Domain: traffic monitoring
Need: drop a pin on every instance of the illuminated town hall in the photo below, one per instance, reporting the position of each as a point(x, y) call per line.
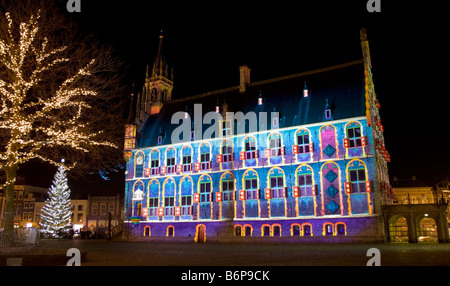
point(315, 168)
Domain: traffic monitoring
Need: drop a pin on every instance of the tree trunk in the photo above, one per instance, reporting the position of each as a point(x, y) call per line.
point(8, 222)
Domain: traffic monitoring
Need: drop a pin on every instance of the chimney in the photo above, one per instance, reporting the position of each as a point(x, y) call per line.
point(244, 78)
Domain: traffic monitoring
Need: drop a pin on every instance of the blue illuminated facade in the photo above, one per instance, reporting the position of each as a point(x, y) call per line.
point(315, 170)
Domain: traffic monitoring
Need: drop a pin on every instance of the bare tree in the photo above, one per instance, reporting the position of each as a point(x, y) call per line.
point(61, 96)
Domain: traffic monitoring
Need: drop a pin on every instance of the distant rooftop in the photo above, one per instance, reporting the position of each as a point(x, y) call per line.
point(408, 183)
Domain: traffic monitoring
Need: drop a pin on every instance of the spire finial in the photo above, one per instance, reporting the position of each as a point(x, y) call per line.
point(159, 62)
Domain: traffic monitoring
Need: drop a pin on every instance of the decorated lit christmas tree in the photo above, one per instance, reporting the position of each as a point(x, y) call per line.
point(55, 215)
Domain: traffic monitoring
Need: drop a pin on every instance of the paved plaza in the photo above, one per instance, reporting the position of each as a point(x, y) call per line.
point(122, 253)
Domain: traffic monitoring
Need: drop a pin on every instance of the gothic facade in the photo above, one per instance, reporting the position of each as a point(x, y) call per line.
point(299, 157)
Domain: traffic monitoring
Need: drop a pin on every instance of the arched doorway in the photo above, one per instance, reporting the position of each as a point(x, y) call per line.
point(398, 229)
point(427, 229)
point(201, 233)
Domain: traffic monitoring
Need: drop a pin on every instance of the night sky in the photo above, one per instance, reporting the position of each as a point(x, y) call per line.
point(206, 42)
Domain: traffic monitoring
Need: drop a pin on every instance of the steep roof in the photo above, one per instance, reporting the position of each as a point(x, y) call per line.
point(342, 86)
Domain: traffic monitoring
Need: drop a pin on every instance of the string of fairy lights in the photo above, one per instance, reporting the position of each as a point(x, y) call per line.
point(22, 117)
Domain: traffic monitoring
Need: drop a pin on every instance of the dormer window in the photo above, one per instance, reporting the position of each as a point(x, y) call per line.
point(159, 140)
point(305, 91)
point(327, 114)
point(217, 108)
point(274, 122)
point(260, 101)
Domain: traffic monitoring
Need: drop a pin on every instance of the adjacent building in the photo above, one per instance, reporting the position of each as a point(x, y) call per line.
point(79, 214)
point(28, 201)
point(412, 191)
point(88, 214)
point(101, 210)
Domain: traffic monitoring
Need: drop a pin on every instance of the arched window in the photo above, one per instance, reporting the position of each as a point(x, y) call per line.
point(228, 187)
point(248, 230)
point(147, 231)
point(186, 160)
point(276, 230)
point(169, 196)
point(237, 230)
point(353, 134)
point(276, 149)
point(205, 157)
point(295, 229)
point(276, 183)
point(250, 181)
point(307, 229)
point(265, 230)
point(153, 197)
point(170, 231)
point(138, 191)
point(303, 140)
point(154, 164)
point(305, 181)
point(154, 94)
point(186, 187)
point(170, 160)
point(250, 151)
point(139, 209)
point(227, 151)
point(331, 195)
point(341, 229)
point(328, 141)
point(328, 229)
point(205, 188)
point(357, 176)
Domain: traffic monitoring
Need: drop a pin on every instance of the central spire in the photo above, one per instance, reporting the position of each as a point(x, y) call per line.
point(160, 67)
